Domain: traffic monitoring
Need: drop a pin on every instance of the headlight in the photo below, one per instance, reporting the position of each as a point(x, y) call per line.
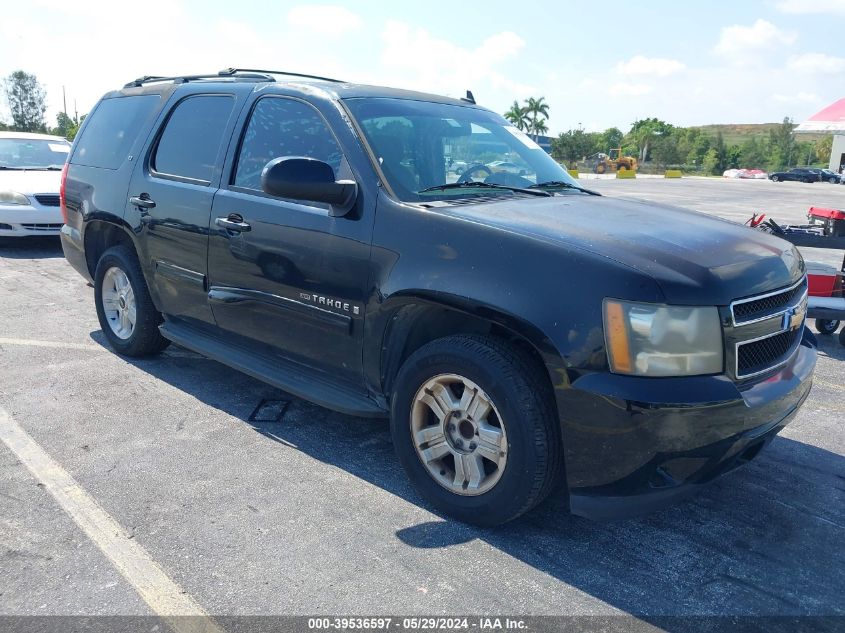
point(13, 197)
point(647, 339)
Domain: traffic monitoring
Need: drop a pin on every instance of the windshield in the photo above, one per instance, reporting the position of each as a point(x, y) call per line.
point(27, 153)
point(423, 145)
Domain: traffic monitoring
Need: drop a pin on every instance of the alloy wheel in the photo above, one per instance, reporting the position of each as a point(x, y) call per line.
point(459, 435)
point(119, 302)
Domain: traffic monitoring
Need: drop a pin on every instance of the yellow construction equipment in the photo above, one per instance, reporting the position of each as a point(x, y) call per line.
point(612, 161)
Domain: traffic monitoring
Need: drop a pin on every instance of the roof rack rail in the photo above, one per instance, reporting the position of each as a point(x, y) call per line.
point(228, 72)
point(180, 79)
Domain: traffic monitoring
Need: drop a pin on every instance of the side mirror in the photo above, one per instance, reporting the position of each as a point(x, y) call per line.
point(300, 178)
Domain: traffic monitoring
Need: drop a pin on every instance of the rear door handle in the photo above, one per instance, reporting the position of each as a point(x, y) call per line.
point(234, 222)
point(142, 202)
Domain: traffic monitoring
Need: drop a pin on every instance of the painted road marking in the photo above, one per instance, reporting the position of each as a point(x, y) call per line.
point(163, 595)
point(87, 347)
point(54, 344)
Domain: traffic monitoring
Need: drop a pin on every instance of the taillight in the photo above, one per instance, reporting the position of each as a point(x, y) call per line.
point(62, 200)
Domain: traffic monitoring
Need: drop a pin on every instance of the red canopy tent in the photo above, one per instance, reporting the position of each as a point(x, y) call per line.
point(831, 119)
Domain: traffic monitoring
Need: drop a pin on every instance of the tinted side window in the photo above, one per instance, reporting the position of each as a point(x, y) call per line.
point(283, 127)
point(113, 127)
point(191, 140)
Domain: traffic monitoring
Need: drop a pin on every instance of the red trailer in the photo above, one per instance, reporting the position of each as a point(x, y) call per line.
point(826, 302)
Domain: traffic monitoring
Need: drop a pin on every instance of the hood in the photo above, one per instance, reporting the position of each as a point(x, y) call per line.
point(30, 182)
point(696, 259)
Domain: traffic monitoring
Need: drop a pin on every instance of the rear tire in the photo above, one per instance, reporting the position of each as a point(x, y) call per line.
point(474, 426)
point(826, 326)
point(775, 179)
point(842, 336)
point(125, 310)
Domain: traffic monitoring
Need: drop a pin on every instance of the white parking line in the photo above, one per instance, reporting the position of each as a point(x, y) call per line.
point(87, 347)
point(163, 596)
point(55, 344)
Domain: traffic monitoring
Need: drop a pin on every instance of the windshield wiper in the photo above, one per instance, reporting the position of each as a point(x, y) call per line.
point(476, 184)
point(7, 167)
point(560, 184)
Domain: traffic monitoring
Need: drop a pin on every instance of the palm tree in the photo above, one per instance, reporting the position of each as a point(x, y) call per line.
point(518, 116)
point(537, 110)
point(540, 127)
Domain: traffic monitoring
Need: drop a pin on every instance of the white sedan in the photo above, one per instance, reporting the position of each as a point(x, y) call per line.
point(30, 176)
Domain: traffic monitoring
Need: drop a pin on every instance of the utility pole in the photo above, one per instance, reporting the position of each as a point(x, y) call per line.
point(64, 101)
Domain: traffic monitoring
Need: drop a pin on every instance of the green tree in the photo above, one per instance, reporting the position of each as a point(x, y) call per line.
point(538, 112)
point(805, 153)
point(721, 152)
point(782, 145)
point(753, 154)
point(710, 162)
point(734, 157)
point(27, 102)
point(518, 116)
point(574, 145)
point(609, 139)
point(644, 131)
point(65, 126)
point(665, 150)
point(823, 147)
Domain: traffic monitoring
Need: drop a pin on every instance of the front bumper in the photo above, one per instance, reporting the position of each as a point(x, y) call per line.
point(24, 220)
point(632, 444)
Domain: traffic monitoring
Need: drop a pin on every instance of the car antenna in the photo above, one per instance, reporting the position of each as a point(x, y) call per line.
point(469, 98)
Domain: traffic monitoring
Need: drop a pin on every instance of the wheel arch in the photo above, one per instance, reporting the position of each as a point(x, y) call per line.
point(100, 235)
point(410, 320)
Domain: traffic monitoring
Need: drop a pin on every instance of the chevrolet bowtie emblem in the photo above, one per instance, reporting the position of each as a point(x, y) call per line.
point(793, 319)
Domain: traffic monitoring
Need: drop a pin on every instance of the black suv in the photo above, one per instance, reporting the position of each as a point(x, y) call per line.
point(520, 332)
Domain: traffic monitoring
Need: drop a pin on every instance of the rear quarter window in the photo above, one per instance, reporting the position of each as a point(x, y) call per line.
point(111, 130)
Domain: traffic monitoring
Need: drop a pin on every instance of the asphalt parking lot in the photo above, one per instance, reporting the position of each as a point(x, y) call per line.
point(312, 514)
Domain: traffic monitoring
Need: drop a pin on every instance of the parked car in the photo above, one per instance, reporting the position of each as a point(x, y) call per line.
point(507, 167)
point(30, 174)
point(754, 174)
point(799, 174)
point(458, 166)
point(828, 175)
point(520, 337)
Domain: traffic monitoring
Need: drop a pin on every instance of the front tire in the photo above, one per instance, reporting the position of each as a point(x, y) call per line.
point(125, 310)
point(826, 326)
point(474, 426)
point(775, 178)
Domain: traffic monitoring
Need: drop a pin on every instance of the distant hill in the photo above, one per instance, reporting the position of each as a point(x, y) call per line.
point(738, 133)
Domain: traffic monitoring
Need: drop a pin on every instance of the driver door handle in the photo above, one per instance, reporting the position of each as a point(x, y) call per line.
point(142, 201)
point(233, 222)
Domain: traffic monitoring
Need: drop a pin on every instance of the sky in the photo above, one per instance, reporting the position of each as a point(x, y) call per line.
point(598, 64)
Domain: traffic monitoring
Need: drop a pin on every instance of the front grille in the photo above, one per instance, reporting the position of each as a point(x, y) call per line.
point(746, 310)
point(48, 199)
point(758, 356)
point(42, 227)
